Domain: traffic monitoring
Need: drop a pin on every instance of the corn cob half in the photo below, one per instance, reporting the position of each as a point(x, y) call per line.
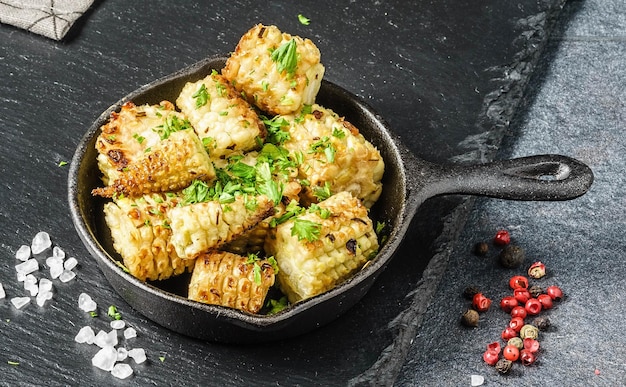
point(224, 121)
point(334, 154)
point(343, 240)
point(141, 234)
point(227, 279)
point(199, 227)
point(275, 71)
point(170, 165)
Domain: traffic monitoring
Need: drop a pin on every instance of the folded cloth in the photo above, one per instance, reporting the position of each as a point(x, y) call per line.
point(50, 18)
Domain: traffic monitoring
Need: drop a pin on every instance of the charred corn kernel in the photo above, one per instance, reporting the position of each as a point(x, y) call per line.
point(346, 241)
point(127, 135)
point(170, 165)
point(252, 241)
point(277, 72)
point(224, 121)
point(199, 227)
point(227, 279)
point(335, 153)
point(141, 235)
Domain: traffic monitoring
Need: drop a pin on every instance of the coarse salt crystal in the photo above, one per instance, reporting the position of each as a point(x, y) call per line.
point(41, 242)
point(21, 277)
point(118, 324)
point(45, 285)
point(477, 380)
point(130, 333)
point(27, 267)
point(122, 354)
point(85, 335)
point(30, 285)
point(2, 292)
point(20, 302)
point(86, 303)
point(23, 253)
point(138, 355)
point(57, 252)
point(105, 358)
point(104, 339)
point(44, 296)
point(70, 263)
point(67, 276)
point(54, 261)
point(121, 371)
point(56, 271)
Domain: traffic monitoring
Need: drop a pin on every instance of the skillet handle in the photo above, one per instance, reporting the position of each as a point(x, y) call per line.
point(541, 177)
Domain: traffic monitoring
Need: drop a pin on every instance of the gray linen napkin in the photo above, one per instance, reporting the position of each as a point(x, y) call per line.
point(50, 18)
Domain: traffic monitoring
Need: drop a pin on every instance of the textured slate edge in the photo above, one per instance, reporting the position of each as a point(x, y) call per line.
point(499, 109)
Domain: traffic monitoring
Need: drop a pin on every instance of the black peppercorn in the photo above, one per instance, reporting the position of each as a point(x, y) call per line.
point(504, 366)
point(542, 323)
point(535, 291)
point(470, 318)
point(481, 249)
point(469, 292)
point(511, 256)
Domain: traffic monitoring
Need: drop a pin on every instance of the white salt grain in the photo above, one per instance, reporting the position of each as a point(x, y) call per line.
point(27, 267)
point(2, 292)
point(23, 253)
point(105, 358)
point(85, 335)
point(121, 371)
point(104, 339)
point(86, 303)
point(56, 271)
point(130, 333)
point(21, 277)
point(45, 285)
point(118, 324)
point(122, 354)
point(67, 276)
point(57, 252)
point(30, 285)
point(138, 355)
point(41, 242)
point(20, 302)
point(54, 261)
point(477, 380)
point(44, 296)
point(70, 263)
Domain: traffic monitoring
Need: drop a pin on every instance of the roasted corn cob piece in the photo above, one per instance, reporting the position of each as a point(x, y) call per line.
point(170, 165)
point(335, 156)
point(227, 279)
point(275, 71)
point(141, 234)
point(125, 138)
point(224, 121)
point(199, 227)
point(316, 251)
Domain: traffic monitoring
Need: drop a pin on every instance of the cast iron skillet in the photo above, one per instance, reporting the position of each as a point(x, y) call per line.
point(408, 182)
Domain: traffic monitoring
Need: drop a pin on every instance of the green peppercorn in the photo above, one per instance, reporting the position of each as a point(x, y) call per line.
point(470, 318)
point(529, 331)
point(535, 291)
point(469, 292)
point(516, 342)
point(504, 366)
point(542, 323)
point(481, 249)
point(511, 256)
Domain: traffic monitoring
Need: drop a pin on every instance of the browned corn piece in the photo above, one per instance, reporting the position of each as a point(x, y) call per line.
point(141, 235)
point(253, 72)
point(334, 153)
point(222, 119)
point(199, 227)
point(346, 241)
point(227, 279)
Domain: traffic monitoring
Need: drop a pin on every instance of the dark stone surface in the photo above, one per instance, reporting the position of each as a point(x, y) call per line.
point(447, 76)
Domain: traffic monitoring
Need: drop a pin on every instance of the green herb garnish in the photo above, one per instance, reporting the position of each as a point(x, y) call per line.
point(304, 20)
point(306, 229)
point(201, 96)
point(286, 57)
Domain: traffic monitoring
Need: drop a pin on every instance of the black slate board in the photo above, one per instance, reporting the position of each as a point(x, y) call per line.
point(446, 75)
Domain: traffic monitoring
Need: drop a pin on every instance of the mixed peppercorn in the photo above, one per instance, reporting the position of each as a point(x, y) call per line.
point(520, 337)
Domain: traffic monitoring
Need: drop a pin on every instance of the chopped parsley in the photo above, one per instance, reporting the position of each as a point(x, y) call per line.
point(324, 146)
point(306, 229)
point(201, 96)
point(304, 20)
point(286, 57)
point(276, 306)
point(276, 134)
point(338, 133)
point(113, 313)
point(322, 193)
point(62, 163)
point(171, 124)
